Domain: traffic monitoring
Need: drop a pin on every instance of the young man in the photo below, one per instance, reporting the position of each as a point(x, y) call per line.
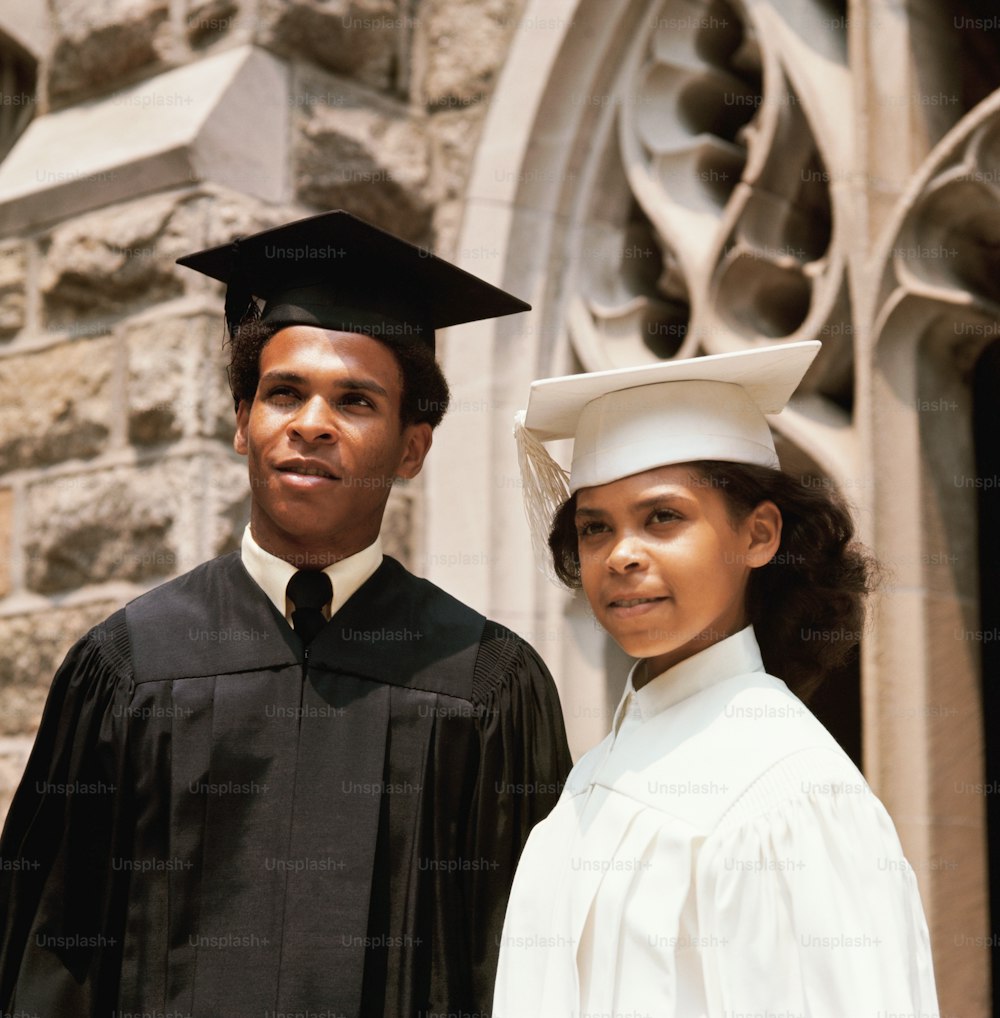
point(297, 779)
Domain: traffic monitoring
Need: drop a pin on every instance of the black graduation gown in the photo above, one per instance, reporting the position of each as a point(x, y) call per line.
point(213, 823)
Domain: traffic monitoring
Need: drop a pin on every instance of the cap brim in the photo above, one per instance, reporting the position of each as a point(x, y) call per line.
point(769, 376)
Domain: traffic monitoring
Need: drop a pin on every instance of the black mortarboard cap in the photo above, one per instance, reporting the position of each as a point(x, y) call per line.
point(338, 272)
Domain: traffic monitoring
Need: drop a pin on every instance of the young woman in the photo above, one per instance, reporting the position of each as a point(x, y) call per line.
point(718, 854)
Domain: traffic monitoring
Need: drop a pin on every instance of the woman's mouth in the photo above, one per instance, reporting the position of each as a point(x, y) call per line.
point(626, 607)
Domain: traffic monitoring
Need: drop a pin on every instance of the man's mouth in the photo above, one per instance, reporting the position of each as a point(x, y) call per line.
point(307, 470)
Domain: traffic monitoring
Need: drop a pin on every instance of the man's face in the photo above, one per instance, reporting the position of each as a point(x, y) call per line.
point(324, 443)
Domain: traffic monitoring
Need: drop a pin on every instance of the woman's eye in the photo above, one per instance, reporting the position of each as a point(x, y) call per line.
point(664, 516)
point(589, 529)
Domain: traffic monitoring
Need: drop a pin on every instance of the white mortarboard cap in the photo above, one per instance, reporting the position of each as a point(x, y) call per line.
point(628, 420)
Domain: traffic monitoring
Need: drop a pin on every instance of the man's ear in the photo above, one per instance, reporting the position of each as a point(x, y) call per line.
point(764, 531)
point(417, 439)
point(242, 424)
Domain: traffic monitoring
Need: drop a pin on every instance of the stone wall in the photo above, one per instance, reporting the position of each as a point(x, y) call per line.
point(116, 470)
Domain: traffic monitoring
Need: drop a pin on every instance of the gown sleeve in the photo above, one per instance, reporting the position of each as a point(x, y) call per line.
point(524, 761)
point(809, 907)
point(62, 899)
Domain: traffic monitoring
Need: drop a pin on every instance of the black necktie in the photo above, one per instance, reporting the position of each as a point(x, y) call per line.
point(309, 590)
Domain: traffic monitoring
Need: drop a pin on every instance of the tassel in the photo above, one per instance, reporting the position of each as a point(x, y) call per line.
point(544, 487)
point(240, 308)
point(240, 305)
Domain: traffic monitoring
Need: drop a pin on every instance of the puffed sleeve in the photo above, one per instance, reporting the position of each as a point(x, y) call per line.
point(524, 763)
point(806, 904)
point(62, 897)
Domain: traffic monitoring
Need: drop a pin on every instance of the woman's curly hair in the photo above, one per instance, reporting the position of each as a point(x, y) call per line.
point(807, 605)
point(425, 391)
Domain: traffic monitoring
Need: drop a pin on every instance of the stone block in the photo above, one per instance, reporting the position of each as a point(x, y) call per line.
point(230, 523)
point(97, 44)
point(162, 383)
point(206, 22)
point(172, 381)
point(223, 119)
point(31, 649)
point(460, 48)
point(13, 269)
point(116, 524)
point(209, 219)
point(6, 537)
point(359, 38)
point(220, 411)
point(56, 404)
point(448, 216)
point(366, 157)
point(134, 524)
point(110, 261)
point(453, 139)
point(226, 491)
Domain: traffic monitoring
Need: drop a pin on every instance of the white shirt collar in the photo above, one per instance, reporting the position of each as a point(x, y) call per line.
point(736, 655)
point(272, 574)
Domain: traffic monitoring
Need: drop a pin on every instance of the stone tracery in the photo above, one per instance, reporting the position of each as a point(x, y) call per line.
point(718, 145)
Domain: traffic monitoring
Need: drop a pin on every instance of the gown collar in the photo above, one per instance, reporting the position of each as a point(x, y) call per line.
point(736, 655)
point(272, 574)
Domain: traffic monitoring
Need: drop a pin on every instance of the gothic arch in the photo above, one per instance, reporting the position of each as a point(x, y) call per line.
point(663, 179)
point(630, 184)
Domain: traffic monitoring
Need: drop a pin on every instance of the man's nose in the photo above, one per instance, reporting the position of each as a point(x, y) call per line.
point(314, 422)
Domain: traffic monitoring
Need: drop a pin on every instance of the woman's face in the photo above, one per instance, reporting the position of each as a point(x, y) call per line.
point(664, 567)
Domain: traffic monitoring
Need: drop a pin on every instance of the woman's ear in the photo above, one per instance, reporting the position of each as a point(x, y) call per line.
point(763, 527)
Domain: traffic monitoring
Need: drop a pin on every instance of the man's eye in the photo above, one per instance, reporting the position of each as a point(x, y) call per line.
point(282, 395)
point(355, 399)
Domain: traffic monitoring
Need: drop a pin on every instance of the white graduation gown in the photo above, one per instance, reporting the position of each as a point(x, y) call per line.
point(718, 854)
